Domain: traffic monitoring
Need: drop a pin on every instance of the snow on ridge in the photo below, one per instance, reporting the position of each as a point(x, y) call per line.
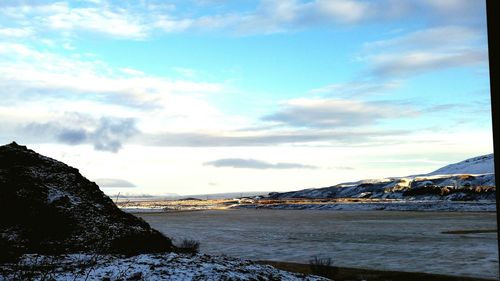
point(444, 187)
point(477, 165)
point(471, 179)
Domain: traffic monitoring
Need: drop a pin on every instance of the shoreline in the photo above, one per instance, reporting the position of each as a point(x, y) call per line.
point(351, 273)
point(142, 207)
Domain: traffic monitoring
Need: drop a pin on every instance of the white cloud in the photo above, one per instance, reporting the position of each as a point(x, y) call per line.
point(420, 62)
point(15, 31)
point(344, 11)
point(436, 38)
point(169, 24)
point(456, 10)
point(268, 17)
point(94, 17)
point(357, 88)
point(101, 20)
point(427, 50)
point(333, 113)
point(255, 164)
point(143, 19)
point(186, 72)
point(49, 85)
point(294, 137)
point(105, 134)
point(131, 71)
point(34, 71)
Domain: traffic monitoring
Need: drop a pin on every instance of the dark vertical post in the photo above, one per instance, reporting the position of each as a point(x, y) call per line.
point(493, 47)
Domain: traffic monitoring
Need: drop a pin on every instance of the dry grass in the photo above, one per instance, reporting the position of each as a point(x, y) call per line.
point(175, 204)
point(221, 204)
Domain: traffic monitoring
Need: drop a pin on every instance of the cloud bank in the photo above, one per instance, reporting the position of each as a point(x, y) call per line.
point(255, 164)
point(105, 134)
point(334, 113)
point(141, 20)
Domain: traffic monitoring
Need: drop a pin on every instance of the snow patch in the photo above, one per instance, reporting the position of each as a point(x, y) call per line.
point(166, 266)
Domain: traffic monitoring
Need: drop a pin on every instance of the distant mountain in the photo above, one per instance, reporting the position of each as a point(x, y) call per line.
point(471, 179)
point(48, 207)
point(478, 165)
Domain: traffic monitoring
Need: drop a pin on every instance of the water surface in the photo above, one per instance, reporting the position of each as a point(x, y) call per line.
point(406, 241)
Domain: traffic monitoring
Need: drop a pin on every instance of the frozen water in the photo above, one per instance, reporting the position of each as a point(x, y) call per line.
point(406, 241)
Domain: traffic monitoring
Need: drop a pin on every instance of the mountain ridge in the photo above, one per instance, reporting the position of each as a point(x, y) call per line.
point(483, 164)
point(451, 182)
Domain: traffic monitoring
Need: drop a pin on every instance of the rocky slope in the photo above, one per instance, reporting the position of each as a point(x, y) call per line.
point(472, 179)
point(48, 207)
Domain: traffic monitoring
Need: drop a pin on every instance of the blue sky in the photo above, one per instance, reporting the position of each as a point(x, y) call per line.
point(215, 96)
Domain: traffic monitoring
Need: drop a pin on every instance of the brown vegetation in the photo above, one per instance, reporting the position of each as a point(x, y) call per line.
point(220, 204)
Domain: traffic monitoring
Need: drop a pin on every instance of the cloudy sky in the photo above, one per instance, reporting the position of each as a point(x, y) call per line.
point(209, 96)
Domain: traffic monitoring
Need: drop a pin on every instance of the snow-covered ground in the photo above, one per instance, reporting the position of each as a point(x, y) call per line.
point(167, 266)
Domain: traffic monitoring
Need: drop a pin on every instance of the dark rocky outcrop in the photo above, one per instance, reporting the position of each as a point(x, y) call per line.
point(48, 207)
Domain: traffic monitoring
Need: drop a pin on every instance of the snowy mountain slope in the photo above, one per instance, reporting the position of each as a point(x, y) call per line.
point(471, 179)
point(478, 165)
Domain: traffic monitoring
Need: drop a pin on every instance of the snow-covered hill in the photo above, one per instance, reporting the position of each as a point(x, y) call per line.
point(471, 179)
point(478, 165)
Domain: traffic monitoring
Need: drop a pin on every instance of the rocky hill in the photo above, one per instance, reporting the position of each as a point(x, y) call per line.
point(48, 207)
point(471, 179)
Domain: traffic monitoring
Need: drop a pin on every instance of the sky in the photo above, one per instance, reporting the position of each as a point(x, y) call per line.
point(213, 96)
